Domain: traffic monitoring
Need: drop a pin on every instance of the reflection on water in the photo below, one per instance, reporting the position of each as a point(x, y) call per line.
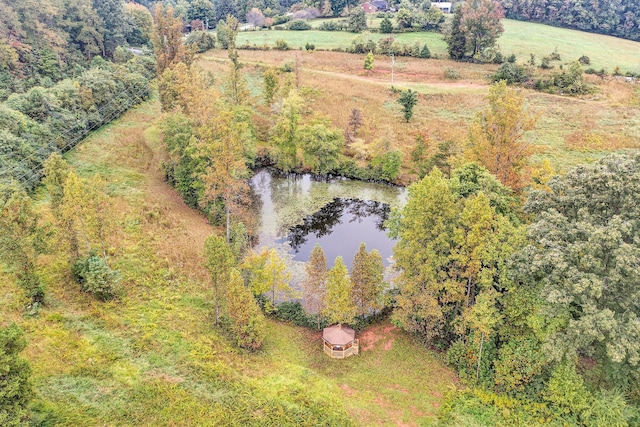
point(298, 211)
point(339, 227)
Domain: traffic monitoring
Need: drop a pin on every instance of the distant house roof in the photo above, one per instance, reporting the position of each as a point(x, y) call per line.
point(338, 334)
point(443, 6)
point(380, 4)
point(368, 7)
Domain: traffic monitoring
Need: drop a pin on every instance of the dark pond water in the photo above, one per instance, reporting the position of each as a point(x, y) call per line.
point(298, 211)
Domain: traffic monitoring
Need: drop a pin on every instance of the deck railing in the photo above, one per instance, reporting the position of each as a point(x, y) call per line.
point(341, 354)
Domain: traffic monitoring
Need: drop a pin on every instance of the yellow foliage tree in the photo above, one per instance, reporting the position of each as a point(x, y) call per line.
point(496, 136)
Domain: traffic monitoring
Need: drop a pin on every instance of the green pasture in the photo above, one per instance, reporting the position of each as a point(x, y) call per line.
point(520, 38)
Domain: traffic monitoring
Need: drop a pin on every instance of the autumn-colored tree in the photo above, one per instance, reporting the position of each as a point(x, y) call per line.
point(368, 61)
point(268, 274)
point(367, 274)
point(247, 321)
point(481, 24)
point(186, 90)
point(219, 260)
point(315, 284)
point(88, 207)
point(167, 40)
point(355, 123)
point(339, 306)
point(56, 172)
point(221, 146)
point(497, 136)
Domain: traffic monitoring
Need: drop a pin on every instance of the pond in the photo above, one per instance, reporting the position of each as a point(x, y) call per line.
point(299, 210)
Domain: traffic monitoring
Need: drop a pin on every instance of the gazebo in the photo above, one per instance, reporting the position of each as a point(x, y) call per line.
point(339, 341)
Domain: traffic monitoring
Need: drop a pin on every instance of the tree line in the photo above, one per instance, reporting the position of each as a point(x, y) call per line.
point(45, 41)
point(620, 18)
point(44, 120)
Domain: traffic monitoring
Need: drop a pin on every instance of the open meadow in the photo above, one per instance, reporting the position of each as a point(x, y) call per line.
point(569, 130)
point(519, 38)
point(154, 357)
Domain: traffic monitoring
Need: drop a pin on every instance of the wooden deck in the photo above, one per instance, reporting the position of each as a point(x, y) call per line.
point(349, 350)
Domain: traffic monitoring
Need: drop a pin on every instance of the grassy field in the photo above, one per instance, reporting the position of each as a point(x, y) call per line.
point(569, 130)
point(153, 356)
point(520, 38)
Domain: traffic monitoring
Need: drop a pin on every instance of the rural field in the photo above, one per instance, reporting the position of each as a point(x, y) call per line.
point(468, 343)
point(569, 130)
point(519, 38)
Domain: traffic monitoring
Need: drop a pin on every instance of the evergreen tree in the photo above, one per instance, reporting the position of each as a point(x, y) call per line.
point(386, 27)
point(368, 61)
point(456, 39)
point(15, 387)
point(247, 321)
point(339, 306)
point(367, 274)
point(314, 285)
point(408, 99)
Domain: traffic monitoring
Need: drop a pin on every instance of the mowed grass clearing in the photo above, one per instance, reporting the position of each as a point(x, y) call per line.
point(519, 38)
point(153, 356)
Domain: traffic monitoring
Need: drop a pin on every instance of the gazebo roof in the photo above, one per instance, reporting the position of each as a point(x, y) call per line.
point(338, 334)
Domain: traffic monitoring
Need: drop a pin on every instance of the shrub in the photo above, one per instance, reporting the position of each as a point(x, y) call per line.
point(511, 59)
point(96, 277)
point(451, 74)
point(309, 46)
point(293, 313)
point(511, 73)
point(425, 52)
point(201, 41)
point(287, 67)
point(584, 60)
point(386, 27)
point(299, 25)
point(333, 26)
point(282, 45)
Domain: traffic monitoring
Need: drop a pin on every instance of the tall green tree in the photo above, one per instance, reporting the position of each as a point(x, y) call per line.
point(408, 99)
point(321, 146)
point(367, 274)
point(114, 21)
point(219, 260)
point(584, 260)
point(453, 254)
point(15, 387)
point(22, 240)
point(339, 306)
point(222, 147)
point(357, 20)
point(268, 275)
point(314, 285)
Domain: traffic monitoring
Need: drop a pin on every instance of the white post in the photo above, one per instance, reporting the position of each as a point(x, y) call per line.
point(393, 62)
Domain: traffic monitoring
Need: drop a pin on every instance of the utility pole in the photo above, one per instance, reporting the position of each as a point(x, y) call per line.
point(393, 62)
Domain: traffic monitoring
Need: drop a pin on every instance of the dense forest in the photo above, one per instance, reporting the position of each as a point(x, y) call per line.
point(54, 83)
point(620, 18)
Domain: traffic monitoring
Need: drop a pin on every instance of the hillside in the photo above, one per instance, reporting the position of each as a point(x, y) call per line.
point(153, 356)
